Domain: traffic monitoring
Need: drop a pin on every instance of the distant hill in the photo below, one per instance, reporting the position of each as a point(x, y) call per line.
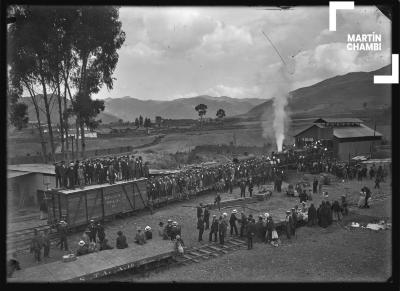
point(129, 108)
point(54, 116)
point(353, 93)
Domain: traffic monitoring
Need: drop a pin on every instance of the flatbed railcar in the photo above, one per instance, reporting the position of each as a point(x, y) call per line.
point(97, 202)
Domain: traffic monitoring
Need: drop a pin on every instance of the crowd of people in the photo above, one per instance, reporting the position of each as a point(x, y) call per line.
point(99, 171)
point(263, 229)
point(221, 178)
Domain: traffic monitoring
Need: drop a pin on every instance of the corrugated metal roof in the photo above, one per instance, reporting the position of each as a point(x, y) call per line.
point(34, 168)
point(14, 174)
point(354, 131)
point(308, 127)
point(344, 119)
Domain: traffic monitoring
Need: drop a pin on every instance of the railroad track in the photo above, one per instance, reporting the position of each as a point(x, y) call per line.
point(208, 251)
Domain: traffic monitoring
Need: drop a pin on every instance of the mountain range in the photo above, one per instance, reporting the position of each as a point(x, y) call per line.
point(129, 108)
point(353, 92)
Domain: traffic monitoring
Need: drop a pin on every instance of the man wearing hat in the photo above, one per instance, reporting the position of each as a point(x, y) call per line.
point(168, 228)
point(139, 237)
point(270, 227)
point(175, 230)
point(250, 232)
point(222, 227)
point(200, 227)
point(148, 233)
point(92, 231)
point(199, 210)
point(207, 217)
point(121, 241)
point(232, 222)
point(58, 174)
point(83, 248)
point(70, 173)
point(243, 223)
point(288, 224)
point(62, 228)
point(214, 229)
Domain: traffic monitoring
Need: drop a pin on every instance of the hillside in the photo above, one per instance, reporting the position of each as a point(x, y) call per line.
point(129, 108)
point(353, 93)
point(104, 116)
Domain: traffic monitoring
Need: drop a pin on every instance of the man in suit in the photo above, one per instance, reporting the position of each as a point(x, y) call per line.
point(58, 175)
point(214, 229)
point(207, 217)
point(250, 232)
point(200, 227)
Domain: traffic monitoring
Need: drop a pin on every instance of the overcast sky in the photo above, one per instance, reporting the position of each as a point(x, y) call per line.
point(177, 52)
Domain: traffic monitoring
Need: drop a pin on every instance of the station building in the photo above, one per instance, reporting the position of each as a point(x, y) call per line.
point(346, 137)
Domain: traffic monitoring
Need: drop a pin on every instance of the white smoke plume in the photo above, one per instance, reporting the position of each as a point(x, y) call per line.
point(281, 85)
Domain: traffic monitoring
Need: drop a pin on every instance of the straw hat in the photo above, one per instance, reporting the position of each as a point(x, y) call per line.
point(174, 223)
point(225, 214)
point(81, 243)
point(266, 214)
point(147, 228)
point(234, 211)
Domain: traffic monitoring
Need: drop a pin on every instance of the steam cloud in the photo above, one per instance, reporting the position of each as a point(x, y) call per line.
point(280, 115)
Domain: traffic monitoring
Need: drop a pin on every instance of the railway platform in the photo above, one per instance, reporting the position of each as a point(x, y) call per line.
point(99, 264)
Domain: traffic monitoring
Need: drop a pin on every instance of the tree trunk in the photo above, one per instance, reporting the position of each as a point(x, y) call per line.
point(83, 139)
point(77, 138)
point(42, 140)
point(66, 119)
point(83, 92)
point(61, 118)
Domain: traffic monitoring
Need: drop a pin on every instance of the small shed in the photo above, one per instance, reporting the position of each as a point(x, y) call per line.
point(27, 182)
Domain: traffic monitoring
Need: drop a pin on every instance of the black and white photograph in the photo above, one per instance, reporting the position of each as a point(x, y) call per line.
point(200, 144)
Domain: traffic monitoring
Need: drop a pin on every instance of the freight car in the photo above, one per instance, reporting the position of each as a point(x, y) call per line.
point(98, 202)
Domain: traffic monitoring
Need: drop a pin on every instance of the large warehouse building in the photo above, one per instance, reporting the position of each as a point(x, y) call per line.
point(347, 137)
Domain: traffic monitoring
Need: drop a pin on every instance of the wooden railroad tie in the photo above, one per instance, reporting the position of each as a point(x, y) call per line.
point(217, 249)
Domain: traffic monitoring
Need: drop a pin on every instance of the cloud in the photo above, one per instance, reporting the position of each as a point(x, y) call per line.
point(234, 92)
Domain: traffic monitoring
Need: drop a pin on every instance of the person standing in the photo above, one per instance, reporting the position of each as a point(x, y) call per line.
point(207, 217)
point(250, 232)
point(242, 186)
point(214, 229)
point(294, 221)
point(232, 222)
point(367, 195)
point(58, 175)
point(36, 246)
point(63, 230)
point(270, 228)
point(222, 227)
point(243, 223)
point(92, 231)
point(315, 185)
point(288, 224)
point(200, 227)
point(218, 201)
point(250, 186)
point(344, 205)
point(312, 215)
point(377, 181)
point(100, 232)
point(199, 210)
